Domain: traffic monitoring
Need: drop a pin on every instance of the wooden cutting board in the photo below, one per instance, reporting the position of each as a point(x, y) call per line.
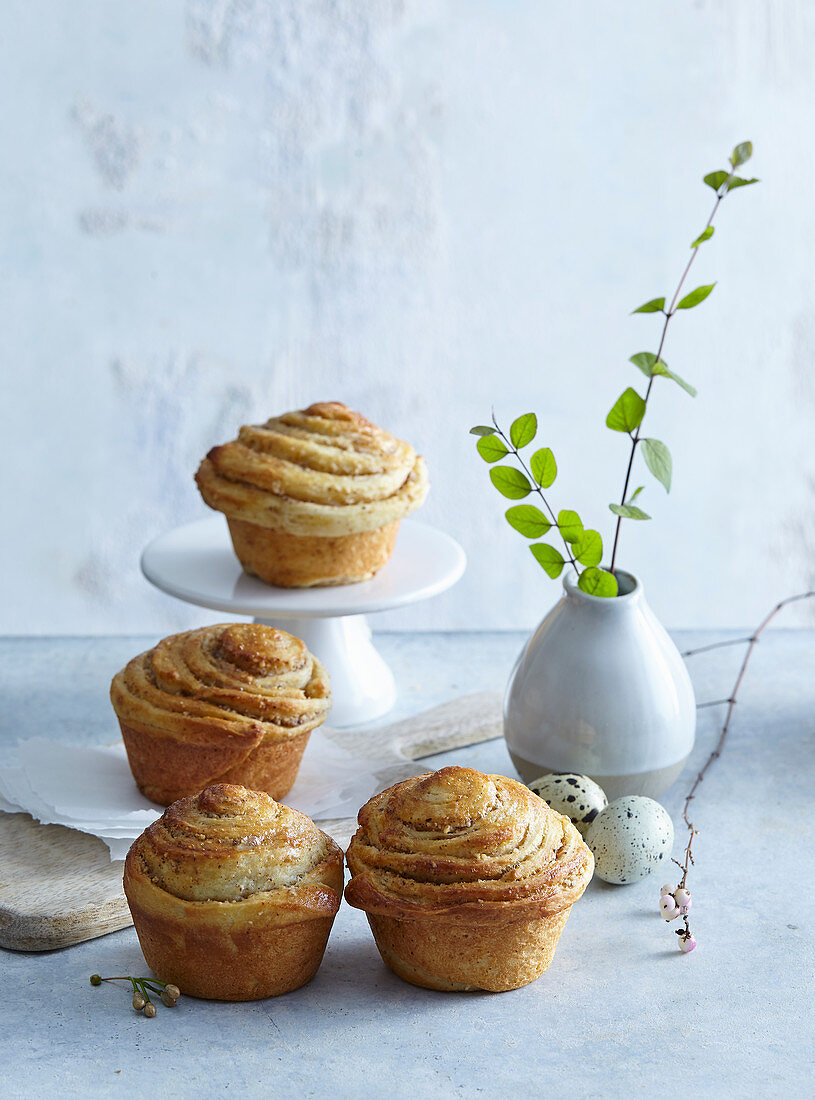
point(59, 887)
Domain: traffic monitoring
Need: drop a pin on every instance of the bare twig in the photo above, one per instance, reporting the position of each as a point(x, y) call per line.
point(718, 645)
point(751, 642)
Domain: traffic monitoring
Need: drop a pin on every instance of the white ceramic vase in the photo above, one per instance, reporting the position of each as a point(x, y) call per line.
point(600, 689)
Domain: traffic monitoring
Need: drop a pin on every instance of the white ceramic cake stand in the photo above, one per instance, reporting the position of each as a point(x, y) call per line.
point(196, 563)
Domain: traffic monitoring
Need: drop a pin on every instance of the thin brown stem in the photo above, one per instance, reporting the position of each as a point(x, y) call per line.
point(718, 645)
point(635, 438)
point(717, 751)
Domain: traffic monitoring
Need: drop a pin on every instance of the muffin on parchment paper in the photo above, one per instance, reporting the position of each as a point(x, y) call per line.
point(466, 879)
point(313, 497)
point(232, 895)
point(232, 703)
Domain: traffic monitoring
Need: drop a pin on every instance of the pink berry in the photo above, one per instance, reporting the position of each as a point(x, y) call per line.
point(667, 889)
point(687, 943)
point(668, 907)
point(682, 898)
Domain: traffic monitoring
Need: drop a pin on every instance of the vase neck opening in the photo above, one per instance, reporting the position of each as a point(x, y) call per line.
point(629, 589)
point(627, 583)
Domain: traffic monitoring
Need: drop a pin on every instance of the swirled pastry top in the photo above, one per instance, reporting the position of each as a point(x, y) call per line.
point(229, 844)
point(238, 680)
point(463, 845)
point(325, 471)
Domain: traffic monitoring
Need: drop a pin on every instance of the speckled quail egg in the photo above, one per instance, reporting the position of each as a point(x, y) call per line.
point(576, 796)
point(630, 838)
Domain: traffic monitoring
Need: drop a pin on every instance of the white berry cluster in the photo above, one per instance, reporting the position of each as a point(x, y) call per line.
point(675, 901)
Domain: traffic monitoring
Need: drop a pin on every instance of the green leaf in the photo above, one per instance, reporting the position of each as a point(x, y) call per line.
point(737, 181)
point(522, 430)
point(716, 179)
point(730, 182)
point(482, 429)
point(741, 154)
point(654, 306)
point(627, 412)
point(544, 467)
point(551, 559)
point(628, 511)
point(528, 519)
point(662, 369)
point(695, 297)
point(491, 448)
point(597, 582)
point(644, 361)
point(570, 524)
point(588, 549)
point(635, 494)
point(705, 235)
point(510, 482)
point(647, 362)
point(658, 460)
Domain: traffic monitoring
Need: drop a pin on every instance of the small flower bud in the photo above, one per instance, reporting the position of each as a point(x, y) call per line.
point(173, 990)
point(138, 1002)
point(150, 1010)
point(668, 907)
point(687, 942)
point(682, 898)
point(96, 979)
point(667, 889)
point(168, 999)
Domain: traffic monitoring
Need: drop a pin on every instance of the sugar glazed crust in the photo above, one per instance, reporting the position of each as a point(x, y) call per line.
point(230, 703)
point(313, 497)
point(233, 896)
point(466, 879)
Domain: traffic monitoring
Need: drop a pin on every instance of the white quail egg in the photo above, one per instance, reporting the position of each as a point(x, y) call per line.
point(576, 796)
point(630, 838)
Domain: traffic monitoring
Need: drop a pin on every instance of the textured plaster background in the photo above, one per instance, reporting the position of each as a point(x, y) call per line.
point(220, 209)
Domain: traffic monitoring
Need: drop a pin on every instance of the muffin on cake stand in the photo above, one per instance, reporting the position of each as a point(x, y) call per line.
point(196, 563)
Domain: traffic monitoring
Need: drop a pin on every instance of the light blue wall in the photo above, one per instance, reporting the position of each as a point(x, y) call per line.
point(215, 211)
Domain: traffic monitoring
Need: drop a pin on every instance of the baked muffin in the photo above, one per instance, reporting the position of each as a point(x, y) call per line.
point(233, 703)
point(313, 497)
point(232, 895)
point(466, 879)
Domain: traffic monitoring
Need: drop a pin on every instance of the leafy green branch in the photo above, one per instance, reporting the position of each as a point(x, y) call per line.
point(583, 546)
point(628, 412)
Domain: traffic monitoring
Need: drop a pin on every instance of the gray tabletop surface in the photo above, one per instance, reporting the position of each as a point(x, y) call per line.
point(620, 1012)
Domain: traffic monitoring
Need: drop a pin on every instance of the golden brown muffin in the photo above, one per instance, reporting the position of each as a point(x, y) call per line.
point(466, 879)
point(313, 497)
point(233, 703)
point(232, 895)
